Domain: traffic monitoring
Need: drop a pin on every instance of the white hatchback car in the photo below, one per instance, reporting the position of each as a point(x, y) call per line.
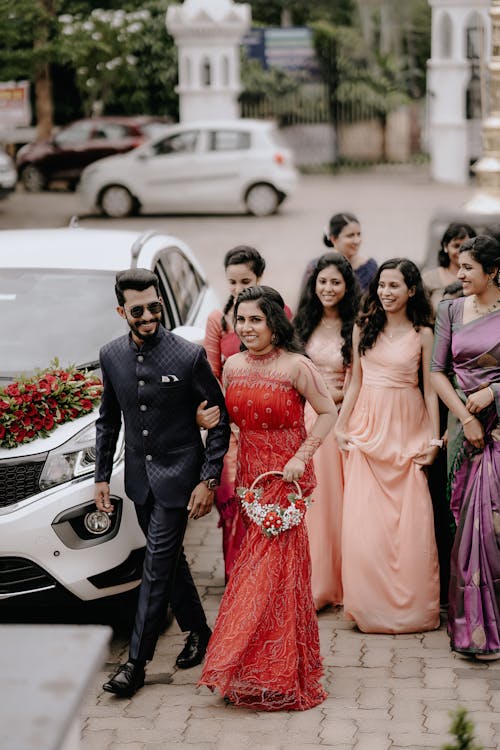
point(8, 174)
point(204, 166)
point(57, 300)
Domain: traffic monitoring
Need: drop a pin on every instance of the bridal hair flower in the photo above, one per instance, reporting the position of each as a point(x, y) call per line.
point(32, 407)
point(272, 518)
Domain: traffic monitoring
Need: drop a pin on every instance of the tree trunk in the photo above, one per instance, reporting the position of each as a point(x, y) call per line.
point(43, 102)
point(44, 105)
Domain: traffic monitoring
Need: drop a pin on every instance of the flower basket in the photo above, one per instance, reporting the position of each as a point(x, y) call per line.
point(273, 518)
point(32, 407)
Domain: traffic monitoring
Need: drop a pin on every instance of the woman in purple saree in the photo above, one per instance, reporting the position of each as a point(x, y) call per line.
point(466, 375)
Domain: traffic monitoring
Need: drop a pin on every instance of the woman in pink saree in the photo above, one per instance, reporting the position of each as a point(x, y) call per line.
point(466, 375)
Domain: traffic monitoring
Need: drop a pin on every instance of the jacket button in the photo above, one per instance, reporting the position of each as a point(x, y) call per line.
point(140, 358)
point(145, 433)
point(149, 458)
point(143, 407)
point(141, 382)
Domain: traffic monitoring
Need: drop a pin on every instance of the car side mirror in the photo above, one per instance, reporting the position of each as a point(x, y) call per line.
point(195, 334)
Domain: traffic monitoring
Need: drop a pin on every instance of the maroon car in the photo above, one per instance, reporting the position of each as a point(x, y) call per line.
point(64, 156)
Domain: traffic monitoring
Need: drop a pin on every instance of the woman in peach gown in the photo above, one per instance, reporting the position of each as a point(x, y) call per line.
point(390, 432)
point(324, 321)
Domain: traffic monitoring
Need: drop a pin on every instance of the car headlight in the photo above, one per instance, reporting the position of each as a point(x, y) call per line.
point(76, 458)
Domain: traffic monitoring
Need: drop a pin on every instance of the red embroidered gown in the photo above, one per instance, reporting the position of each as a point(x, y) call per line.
point(264, 652)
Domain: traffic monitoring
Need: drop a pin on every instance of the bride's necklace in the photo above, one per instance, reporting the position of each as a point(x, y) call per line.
point(494, 306)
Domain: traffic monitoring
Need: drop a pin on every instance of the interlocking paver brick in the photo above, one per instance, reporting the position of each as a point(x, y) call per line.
point(340, 730)
point(383, 689)
point(373, 741)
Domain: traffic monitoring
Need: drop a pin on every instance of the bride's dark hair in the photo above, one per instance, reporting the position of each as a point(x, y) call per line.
point(310, 309)
point(372, 317)
point(271, 303)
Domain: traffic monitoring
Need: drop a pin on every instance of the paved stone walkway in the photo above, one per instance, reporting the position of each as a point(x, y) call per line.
point(385, 692)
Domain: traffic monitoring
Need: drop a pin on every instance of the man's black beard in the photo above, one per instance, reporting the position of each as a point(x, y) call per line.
point(145, 336)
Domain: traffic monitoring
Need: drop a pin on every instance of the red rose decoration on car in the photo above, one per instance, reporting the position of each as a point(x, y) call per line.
point(31, 407)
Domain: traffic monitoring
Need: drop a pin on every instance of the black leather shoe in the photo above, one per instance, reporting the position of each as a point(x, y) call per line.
point(127, 680)
point(194, 649)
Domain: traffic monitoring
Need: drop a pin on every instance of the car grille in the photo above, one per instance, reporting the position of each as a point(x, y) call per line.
point(20, 479)
point(18, 575)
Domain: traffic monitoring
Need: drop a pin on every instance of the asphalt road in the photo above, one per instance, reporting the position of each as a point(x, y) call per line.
point(394, 204)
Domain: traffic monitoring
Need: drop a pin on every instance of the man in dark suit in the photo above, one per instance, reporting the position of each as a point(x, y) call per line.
point(155, 380)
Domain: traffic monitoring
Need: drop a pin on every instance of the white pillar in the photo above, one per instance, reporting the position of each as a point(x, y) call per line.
point(208, 35)
point(449, 72)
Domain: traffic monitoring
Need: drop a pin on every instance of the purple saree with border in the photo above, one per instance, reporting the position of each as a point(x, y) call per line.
point(472, 353)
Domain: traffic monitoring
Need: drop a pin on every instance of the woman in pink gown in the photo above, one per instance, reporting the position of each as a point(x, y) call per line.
point(390, 432)
point(264, 651)
point(324, 322)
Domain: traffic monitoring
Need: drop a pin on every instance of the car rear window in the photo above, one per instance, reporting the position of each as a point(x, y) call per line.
point(55, 313)
point(229, 140)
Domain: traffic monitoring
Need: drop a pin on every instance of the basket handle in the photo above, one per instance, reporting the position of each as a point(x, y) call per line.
point(276, 473)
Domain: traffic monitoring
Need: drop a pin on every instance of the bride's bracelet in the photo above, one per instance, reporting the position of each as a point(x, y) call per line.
point(308, 448)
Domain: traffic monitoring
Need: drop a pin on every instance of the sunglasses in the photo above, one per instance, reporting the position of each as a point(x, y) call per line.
point(153, 307)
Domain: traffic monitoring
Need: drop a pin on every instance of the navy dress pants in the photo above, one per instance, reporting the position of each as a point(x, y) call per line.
point(166, 579)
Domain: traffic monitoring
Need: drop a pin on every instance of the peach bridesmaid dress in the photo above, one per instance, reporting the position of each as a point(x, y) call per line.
point(324, 516)
point(390, 568)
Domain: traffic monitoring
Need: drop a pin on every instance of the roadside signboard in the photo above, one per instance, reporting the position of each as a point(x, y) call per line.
point(15, 108)
point(291, 49)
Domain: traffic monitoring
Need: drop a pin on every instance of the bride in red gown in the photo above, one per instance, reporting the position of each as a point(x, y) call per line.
point(264, 651)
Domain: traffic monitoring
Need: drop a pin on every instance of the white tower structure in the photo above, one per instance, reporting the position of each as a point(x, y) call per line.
point(456, 83)
point(208, 35)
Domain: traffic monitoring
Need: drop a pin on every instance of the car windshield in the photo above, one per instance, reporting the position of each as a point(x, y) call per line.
point(68, 314)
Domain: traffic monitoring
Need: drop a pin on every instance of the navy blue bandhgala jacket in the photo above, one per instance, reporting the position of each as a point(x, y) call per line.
point(157, 388)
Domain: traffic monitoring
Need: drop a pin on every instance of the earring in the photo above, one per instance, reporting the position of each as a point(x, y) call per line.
point(274, 339)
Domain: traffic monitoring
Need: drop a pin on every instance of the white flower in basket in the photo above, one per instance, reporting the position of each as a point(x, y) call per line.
point(272, 517)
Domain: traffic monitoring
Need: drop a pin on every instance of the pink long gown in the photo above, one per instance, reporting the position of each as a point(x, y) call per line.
point(324, 516)
point(390, 569)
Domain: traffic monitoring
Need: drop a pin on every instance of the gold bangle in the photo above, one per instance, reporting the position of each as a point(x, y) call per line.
point(469, 419)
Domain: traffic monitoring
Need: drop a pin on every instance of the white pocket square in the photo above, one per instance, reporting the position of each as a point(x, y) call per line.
point(169, 378)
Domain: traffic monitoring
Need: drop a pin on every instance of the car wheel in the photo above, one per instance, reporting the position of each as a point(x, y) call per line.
point(33, 179)
point(117, 202)
point(262, 200)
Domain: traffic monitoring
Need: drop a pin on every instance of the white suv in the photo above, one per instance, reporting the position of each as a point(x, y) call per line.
point(205, 166)
point(57, 300)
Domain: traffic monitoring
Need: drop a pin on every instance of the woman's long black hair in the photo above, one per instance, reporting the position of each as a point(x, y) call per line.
point(239, 255)
point(310, 309)
point(271, 303)
point(372, 317)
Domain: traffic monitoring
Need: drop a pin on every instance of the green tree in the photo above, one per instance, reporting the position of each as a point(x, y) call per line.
point(130, 67)
point(124, 61)
point(299, 13)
